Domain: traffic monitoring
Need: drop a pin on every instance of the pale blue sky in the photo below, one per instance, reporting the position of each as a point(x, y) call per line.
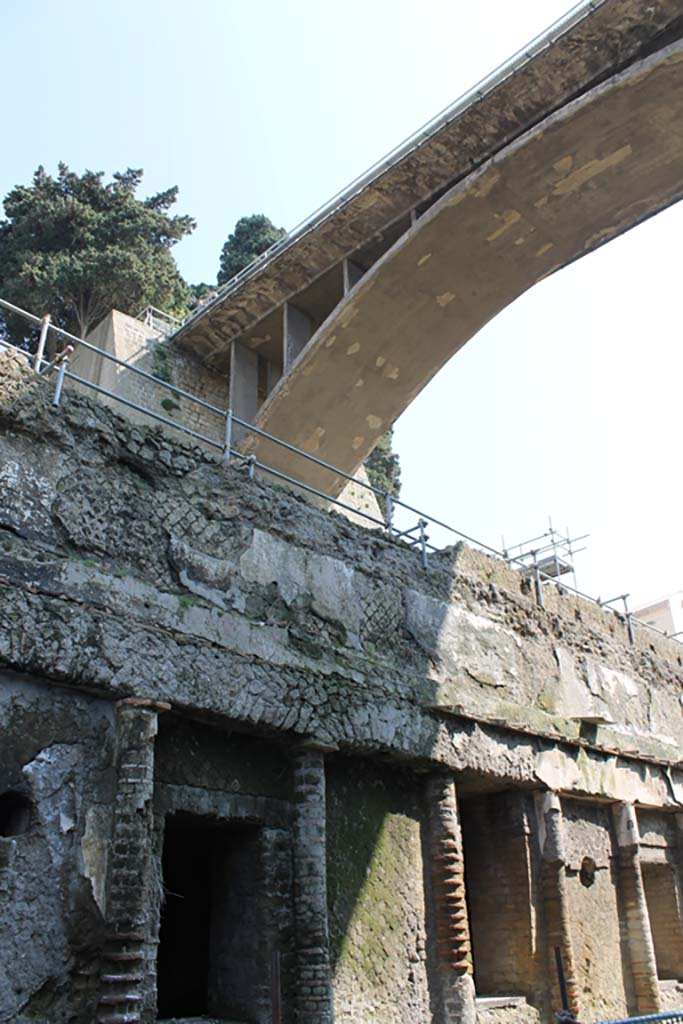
point(567, 404)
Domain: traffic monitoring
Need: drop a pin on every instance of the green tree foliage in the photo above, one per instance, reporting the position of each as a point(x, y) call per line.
point(199, 295)
point(74, 246)
point(252, 236)
point(200, 291)
point(383, 466)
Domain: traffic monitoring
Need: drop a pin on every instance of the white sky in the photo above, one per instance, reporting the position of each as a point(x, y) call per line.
point(567, 404)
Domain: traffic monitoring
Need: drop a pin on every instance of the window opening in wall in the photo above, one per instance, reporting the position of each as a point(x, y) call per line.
point(498, 893)
point(15, 814)
point(665, 919)
point(210, 959)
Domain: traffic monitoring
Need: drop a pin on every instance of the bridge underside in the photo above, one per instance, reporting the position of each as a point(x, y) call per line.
point(591, 171)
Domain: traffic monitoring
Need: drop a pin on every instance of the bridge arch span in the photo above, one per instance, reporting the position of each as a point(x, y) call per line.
point(586, 174)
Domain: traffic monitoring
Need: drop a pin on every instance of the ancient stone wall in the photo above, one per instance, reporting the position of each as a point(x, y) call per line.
point(308, 693)
point(56, 753)
point(501, 900)
point(139, 535)
point(600, 953)
point(376, 893)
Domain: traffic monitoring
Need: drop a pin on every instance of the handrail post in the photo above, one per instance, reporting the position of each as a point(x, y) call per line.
point(389, 512)
point(44, 328)
point(423, 543)
point(60, 380)
point(538, 583)
point(228, 436)
point(629, 619)
point(251, 463)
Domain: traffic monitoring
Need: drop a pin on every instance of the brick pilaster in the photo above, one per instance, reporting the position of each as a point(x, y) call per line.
point(447, 875)
point(313, 974)
point(127, 959)
point(554, 899)
point(636, 919)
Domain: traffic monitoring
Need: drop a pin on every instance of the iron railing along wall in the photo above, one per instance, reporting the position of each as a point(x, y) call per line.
point(415, 536)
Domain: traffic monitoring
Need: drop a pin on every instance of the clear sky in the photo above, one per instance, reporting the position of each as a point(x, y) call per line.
point(568, 404)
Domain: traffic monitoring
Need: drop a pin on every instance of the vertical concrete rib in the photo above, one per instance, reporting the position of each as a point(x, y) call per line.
point(554, 898)
point(352, 274)
point(313, 973)
point(447, 874)
point(243, 386)
point(636, 918)
point(297, 329)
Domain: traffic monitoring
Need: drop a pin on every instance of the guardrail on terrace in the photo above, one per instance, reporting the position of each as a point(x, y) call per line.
point(415, 537)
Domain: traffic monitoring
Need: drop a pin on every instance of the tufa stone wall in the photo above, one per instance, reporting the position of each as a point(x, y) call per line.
point(191, 659)
point(601, 954)
point(57, 752)
point(376, 893)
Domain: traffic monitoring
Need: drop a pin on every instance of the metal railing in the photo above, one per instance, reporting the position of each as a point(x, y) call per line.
point(483, 88)
point(158, 320)
point(415, 536)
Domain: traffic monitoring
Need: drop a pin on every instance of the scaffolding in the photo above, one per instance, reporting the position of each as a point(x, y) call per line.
point(547, 557)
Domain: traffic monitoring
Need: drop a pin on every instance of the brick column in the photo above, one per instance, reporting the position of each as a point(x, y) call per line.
point(554, 898)
point(447, 875)
point(126, 995)
point(313, 974)
point(636, 920)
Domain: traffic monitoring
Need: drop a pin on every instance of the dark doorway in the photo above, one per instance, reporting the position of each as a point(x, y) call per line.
point(210, 959)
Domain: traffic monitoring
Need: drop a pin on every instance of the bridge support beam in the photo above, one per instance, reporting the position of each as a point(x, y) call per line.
point(243, 385)
point(554, 898)
point(313, 972)
point(352, 274)
point(636, 917)
point(297, 332)
point(447, 874)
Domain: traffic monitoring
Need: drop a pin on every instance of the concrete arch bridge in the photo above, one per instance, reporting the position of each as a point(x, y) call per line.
point(330, 336)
